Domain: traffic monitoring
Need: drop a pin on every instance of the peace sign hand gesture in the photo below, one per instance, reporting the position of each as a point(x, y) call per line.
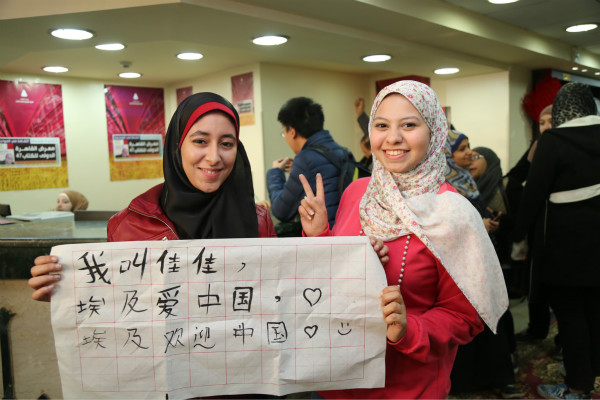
point(313, 213)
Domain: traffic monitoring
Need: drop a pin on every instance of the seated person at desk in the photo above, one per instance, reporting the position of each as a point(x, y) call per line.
point(70, 200)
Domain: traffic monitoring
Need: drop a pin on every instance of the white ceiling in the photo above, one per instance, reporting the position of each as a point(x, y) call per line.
point(421, 35)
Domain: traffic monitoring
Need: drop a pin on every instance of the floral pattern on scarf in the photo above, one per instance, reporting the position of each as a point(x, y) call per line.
point(395, 204)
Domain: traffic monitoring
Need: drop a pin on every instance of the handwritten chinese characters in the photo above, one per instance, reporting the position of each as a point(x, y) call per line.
point(211, 317)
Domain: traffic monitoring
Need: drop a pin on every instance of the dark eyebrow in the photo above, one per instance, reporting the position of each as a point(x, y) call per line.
point(401, 119)
point(202, 133)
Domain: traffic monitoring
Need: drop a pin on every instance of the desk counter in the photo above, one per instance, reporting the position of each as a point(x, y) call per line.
point(22, 242)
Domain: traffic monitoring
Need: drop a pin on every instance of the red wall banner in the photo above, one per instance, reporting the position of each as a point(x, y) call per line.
point(32, 136)
point(136, 130)
point(242, 97)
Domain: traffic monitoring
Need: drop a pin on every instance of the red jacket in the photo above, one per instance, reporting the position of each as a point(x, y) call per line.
point(439, 317)
point(144, 219)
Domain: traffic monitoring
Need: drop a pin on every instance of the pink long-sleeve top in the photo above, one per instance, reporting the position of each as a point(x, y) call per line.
point(439, 317)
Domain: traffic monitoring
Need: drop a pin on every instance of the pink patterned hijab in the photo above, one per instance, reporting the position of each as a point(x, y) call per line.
point(396, 204)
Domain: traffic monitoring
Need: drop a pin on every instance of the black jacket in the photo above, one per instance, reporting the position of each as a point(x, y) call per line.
point(566, 159)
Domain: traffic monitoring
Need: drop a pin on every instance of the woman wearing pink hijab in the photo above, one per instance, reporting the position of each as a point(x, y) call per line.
point(444, 277)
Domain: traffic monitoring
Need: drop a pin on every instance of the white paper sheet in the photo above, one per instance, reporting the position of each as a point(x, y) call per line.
point(215, 317)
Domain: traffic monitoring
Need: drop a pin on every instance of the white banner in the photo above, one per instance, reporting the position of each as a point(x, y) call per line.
point(216, 317)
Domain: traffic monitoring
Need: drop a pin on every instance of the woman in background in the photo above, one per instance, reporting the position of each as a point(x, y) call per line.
point(487, 173)
point(459, 157)
point(486, 362)
point(528, 280)
point(70, 200)
point(564, 181)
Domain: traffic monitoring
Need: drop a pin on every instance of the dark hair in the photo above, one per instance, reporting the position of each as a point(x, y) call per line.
point(302, 114)
point(365, 139)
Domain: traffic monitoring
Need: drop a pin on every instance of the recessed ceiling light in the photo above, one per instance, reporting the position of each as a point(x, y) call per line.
point(189, 56)
point(55, 68)
point(581, 28)
point(597, 73)
point(584, 70)
point(502, 1)
point(72, 34)
point(270, 40)
point(129, 75)
point(110, 46)
point(377, 58)
point(575, 68)
point(446, 71)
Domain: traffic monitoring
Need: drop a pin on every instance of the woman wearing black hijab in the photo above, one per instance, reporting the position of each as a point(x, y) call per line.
point(207, 193)
point(564, 182)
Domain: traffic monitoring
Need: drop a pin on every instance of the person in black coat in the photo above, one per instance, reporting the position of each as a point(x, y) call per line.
point(525, 279)
point(564, 182)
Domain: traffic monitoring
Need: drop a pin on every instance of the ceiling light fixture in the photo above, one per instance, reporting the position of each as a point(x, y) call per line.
point(189, 56)
point(72, 34)
point(110, 46)
point(584, 70)
point(502, 1)
point(446, 71)
point(270, 40)
point(575, 68)
point(597, 73)
point(377, 58)
point(581, 28)
point(55, 68)
point(130, 75)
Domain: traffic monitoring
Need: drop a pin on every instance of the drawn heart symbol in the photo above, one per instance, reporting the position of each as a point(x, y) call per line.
point(312, 295)
point(311, 331)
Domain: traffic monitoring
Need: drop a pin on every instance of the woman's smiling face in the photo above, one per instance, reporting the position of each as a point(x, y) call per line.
point(208, 151)
point(462, 155)
point(478, 165)
point(399, 135)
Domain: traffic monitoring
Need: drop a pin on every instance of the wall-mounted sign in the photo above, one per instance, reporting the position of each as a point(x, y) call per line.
point(136, 130)
point(183, 93)
point(242, 97)
point(32, 136)
point(145, 146)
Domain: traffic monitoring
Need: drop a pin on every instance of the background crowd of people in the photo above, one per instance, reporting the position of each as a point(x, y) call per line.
point(454, 234)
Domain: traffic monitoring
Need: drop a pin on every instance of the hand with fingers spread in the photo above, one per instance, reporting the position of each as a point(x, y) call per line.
point(394, 312)
point(44, 276)
point(313, 213)
point(381, 250)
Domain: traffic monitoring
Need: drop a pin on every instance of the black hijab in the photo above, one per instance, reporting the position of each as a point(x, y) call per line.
point(491, 180)
point(228, 212)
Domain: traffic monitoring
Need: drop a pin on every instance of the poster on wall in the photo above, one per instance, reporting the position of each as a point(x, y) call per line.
point(242, 97)
point(183, 93)
point(32, 136)
point(136, 131)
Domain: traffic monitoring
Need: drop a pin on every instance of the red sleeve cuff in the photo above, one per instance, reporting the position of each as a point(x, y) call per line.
point(410, 338)
point(326, 232)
